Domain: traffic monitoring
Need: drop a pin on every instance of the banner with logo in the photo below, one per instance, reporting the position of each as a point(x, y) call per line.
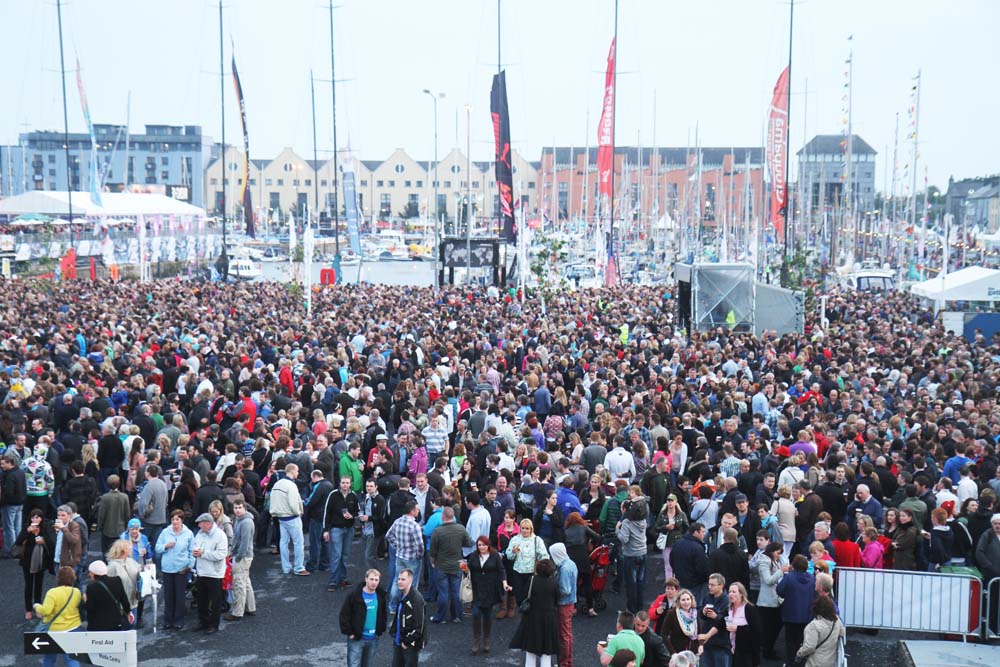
point(95, 179)
point(504, 169)
point(777, 138)
point(351, 208)
point(245, 198)
point(606, 129)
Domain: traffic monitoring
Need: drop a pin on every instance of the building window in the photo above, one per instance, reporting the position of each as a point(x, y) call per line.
point(408, 184)
point(392, 184)
point(267, 181)
point(239, 181)
point(420, 184)
point(214, 181)
point(281, 181)
point(253, 181)
point(225, 181)
point(52, 159)
point(164, 175)
point(447, 184)
point(399, 169)
point(164, 161)
point(364, 182)
point(385, 204)
point(52, 172)
point(531, 185)
point(322, 183)
point(456, 169)
point(295, 182)
point(308, 182)
point(475, 184)
point(379, 184)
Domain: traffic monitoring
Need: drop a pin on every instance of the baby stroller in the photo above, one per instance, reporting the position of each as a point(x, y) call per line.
point(600, 569)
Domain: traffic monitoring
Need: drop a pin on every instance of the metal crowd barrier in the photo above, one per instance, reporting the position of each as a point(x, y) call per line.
point(991, 609)
point(910, 601)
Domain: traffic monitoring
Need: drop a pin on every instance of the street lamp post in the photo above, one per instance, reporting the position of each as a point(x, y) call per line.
point(437, 214)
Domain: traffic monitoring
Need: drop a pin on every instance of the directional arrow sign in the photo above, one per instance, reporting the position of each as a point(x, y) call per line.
point(39, 643)
point(36, 643)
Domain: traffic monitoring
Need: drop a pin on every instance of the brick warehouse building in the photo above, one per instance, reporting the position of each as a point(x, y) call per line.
point(648, 180)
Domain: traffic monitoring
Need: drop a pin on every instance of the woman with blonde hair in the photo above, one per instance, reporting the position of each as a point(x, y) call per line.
point(121, 565)
point(525, 549)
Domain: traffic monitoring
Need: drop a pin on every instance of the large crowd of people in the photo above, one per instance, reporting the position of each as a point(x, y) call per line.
point(471, 457)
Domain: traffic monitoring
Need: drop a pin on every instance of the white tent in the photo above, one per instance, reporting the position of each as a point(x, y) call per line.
point(973, 283)
point(115, 204)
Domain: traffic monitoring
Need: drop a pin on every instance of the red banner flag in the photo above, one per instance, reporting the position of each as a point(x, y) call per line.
point(777, 138)
point(606, 129)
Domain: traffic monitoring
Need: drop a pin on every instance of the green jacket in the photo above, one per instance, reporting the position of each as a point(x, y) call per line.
point(352, 468)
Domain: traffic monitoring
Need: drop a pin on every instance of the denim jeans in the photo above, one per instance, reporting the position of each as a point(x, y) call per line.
point(291, 529)
point(11, 527)
point(403, 564)
point(340, 552)
point(370, 544)
point(361, 652)
point(635, 579)
point(715, 656)
point(448, 597)
point(319, 551)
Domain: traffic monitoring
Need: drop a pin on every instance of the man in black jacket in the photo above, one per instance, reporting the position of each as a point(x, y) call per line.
point(729, 561)
point(656, 654)
point(373, 514)
point(339, 511)
point(81, 490)
point(209, 490)
point(319, 554)
point(689, 562)
point(362, 628)
point(410, 623)
point(14, 492)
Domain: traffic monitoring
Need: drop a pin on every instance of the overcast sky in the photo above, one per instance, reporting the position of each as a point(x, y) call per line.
point(712, 63)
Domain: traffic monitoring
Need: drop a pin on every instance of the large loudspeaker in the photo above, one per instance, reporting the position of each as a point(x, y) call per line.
point(683, 274)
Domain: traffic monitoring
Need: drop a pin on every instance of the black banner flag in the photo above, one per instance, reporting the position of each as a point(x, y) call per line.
point(504, 170)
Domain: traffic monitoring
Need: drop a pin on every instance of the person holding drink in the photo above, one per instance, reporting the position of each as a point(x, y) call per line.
point(714, 639)
point(743, 625)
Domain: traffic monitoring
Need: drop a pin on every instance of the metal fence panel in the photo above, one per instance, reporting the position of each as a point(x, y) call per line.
point(909, 601)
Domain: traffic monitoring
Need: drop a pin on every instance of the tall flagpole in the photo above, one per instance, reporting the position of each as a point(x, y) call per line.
point(336, 155)
point(222, 106)
point(614, 112)
point(788, 116)
point(62, 70)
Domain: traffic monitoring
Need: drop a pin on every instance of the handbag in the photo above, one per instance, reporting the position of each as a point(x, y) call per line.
point(661, 541)
point(465, 592)
point(43, 626)
point(525, 605)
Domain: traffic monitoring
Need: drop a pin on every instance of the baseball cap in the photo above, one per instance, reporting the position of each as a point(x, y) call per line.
point(134, 523)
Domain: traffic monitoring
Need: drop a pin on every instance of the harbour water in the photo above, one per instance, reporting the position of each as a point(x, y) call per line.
point(420, 274)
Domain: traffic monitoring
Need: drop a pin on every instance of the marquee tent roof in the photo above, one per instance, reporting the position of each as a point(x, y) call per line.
point(973, 283)
point(115, 204)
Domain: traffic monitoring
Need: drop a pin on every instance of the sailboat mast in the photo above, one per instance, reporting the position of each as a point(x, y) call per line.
point(312, 92)
point(222, 113)
point(128, 141)
point(62, 70)
point(895, 173)
point(916, 157)
point(849, 203)
point(336, 155)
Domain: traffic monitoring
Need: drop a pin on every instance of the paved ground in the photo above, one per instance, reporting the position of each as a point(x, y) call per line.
point(296, 625)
